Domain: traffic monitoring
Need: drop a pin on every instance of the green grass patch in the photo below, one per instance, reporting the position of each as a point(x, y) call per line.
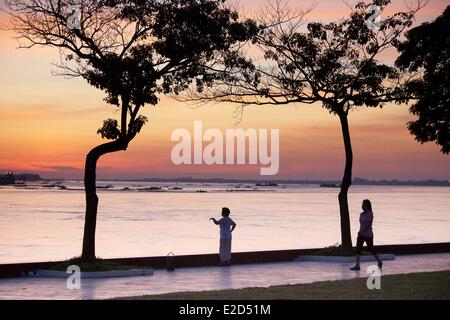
point(338, 250)
point(412, 286)
point(97, 265)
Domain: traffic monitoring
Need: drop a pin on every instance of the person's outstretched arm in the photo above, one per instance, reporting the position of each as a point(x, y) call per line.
point(214, 220)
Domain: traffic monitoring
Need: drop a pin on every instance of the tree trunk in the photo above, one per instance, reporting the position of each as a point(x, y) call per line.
point(346, 236)
point(88, 253)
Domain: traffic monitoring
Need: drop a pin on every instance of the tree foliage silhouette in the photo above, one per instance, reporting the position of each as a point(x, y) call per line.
point(426, 54)
point(134, 51)
point(337, 64)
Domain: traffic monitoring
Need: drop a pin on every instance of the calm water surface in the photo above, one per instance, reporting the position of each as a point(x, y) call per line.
point(45, 223)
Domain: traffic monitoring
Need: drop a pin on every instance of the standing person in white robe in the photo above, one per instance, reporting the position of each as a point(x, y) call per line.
point(227, 225)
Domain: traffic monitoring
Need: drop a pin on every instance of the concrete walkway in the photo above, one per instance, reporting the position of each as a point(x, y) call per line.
point(213, 278)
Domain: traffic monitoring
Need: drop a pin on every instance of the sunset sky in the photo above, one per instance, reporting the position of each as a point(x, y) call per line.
point(48, 124)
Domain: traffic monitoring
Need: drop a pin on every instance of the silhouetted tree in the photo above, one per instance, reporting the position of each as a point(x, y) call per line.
point(337, 64)
point(426, 54)
point(134, 51)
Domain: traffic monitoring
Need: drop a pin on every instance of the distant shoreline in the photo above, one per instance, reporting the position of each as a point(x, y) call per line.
point(28, 177)
point(356, 181)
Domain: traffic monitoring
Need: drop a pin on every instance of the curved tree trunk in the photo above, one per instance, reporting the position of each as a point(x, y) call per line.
point(92, 157)
point(346, 236)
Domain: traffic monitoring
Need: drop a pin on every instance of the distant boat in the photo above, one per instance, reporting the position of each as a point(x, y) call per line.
point(177, 188)
point(267, 184)
point(7, 179)
point(329, 185)
point(109, 186)
point(151, 189)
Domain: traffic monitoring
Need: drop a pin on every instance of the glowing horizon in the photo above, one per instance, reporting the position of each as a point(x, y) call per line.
point(49, 124)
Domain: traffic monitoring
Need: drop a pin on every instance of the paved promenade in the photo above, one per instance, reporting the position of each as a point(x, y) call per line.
point(213, 278)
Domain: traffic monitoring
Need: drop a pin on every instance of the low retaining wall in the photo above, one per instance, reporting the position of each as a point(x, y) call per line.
point(200, 260)
point(94, 274)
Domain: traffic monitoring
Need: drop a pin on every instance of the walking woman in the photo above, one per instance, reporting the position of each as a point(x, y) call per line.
point(365, 234)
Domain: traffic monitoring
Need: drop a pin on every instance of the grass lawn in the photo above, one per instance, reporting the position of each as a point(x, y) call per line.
point(97, 265)
point(426, 285)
